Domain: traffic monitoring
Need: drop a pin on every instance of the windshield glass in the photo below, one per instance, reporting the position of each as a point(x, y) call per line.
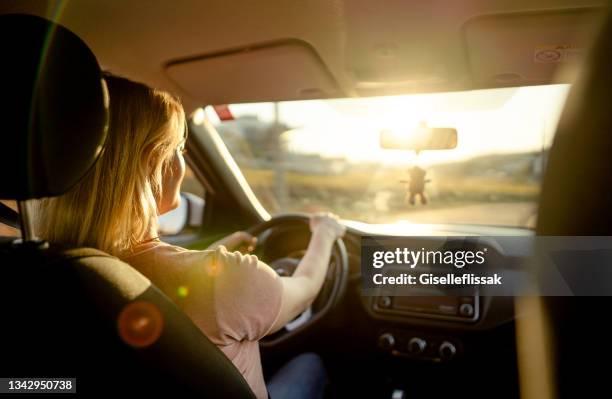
point(325, 155)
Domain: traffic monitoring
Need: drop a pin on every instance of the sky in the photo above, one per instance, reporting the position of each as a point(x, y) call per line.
point(488, 121)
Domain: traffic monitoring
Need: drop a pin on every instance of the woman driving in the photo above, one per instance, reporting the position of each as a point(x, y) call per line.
point(234, 298)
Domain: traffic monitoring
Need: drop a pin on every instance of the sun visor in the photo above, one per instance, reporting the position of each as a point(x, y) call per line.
point(528, 48)
point(289, 70)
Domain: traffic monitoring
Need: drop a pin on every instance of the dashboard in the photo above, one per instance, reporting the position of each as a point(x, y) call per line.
point(434, 327)
point(431, 328)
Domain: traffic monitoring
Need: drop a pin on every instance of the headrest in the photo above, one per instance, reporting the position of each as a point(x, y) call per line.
point(54, 108)
point(577, 188)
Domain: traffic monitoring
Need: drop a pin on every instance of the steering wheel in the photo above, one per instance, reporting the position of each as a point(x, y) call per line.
point(334, 285)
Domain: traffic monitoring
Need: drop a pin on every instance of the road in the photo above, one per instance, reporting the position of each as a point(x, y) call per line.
point(502, 214)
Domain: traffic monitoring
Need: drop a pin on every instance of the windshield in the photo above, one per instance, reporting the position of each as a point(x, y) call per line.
point(325, 155)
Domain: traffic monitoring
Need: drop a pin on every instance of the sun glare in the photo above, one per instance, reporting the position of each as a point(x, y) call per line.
point(487, 121)
point(326, 155)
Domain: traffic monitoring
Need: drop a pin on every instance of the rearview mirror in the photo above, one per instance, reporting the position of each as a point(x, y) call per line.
point(420, 138)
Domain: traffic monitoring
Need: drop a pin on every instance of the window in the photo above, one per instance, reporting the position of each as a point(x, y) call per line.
point(187, 218)
point(324, 155)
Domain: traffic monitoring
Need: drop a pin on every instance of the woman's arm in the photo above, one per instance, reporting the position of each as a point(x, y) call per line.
point(301, 289)
point(238, 241)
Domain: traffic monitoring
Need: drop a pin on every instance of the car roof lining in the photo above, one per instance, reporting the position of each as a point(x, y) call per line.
point(367, 48)
point(294, 66)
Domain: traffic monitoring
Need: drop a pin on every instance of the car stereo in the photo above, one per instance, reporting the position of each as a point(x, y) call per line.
point(429, 303)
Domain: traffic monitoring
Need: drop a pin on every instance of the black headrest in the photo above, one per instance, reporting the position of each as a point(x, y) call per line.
point(54, 108)
point(577, 188)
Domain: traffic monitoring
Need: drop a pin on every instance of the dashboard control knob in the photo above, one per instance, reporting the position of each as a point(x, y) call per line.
point(416, 345)
point(447, 350)
point(466, 309)
point(386, 341)
point(384, 302)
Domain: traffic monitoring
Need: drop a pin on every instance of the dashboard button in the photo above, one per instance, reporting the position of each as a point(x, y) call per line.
point(416, 345)
point(447, 350)
point(384, 302)
point(386, 341)
point(466, 309)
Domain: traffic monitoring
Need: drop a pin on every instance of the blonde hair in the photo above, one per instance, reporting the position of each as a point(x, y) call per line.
point(115, 205)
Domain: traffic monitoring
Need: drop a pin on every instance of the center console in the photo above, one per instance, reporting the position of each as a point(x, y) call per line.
point(463, 309)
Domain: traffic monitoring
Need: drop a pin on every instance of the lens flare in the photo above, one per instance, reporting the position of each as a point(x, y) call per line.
point(140, 324)
point(182, 291)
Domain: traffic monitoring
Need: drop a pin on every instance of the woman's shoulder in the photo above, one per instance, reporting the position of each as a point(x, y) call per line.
point(247, 292)
point(168, 253)
point(232, 267)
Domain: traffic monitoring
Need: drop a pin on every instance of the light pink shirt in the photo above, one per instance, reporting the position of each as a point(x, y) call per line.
point(233, 298)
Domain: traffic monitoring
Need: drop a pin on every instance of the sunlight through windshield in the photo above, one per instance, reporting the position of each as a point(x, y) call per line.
point(325, 155)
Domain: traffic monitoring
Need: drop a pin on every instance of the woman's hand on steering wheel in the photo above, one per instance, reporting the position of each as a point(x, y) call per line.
point(238, 241)
point(328, 225)
point(328, 230)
